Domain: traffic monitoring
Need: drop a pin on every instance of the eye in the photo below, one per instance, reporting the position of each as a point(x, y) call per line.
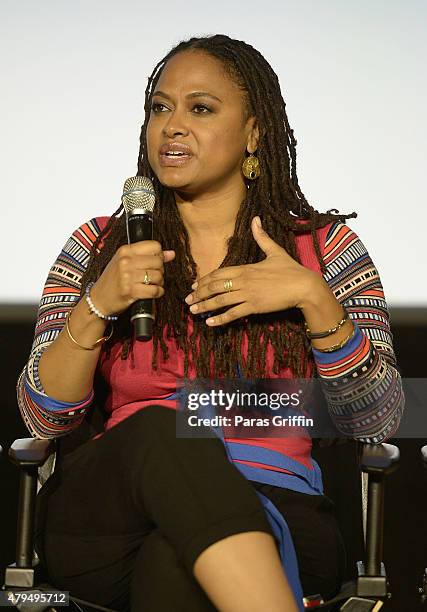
point(206, 109)
point(155, 107)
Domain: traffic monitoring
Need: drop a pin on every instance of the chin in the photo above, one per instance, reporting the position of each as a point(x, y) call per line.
point(175, 185)
point(172, 181)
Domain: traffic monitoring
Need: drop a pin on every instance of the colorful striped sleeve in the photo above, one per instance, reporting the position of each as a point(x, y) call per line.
point(361, 381)
point(44, 416)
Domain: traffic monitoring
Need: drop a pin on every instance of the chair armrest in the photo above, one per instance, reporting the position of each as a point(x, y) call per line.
point(380, 459)
point(377, 461)
point(31, 451)
point(29, 454)
point(424, 455)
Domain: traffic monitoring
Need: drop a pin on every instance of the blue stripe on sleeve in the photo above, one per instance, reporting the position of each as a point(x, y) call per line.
point(53, 405)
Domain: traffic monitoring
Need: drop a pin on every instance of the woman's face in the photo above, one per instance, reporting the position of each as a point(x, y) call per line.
point(198, 112)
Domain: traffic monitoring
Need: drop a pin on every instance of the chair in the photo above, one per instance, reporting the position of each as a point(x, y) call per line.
point(368, 592)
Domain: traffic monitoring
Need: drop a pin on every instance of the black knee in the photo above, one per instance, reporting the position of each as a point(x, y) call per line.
point(160, 583)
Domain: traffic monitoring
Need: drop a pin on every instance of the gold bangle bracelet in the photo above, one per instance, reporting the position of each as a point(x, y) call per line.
point(340, 344)
point(86, 348)
point(328, 332)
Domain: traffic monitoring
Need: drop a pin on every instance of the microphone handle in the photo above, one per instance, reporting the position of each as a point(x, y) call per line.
point(140, 227)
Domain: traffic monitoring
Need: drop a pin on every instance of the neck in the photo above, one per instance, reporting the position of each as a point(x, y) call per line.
point(212, 215)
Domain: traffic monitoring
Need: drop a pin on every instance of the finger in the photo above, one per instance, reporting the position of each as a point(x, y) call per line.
point(154, 262)
point(143, 292)
point(242, 310)
point(146, 247)
point(155, 277)
point(214, 287)
point(218, 274)
point(263, 240)
point(219, 301)
point(168, 255)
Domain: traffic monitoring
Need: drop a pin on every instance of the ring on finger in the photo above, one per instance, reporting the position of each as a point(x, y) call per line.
point(228, 285)
point(147, 280)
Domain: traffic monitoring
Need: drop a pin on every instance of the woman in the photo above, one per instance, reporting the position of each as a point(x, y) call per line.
point(245, 275)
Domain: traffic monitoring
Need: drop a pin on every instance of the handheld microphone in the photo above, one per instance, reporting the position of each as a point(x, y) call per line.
point(138, 200)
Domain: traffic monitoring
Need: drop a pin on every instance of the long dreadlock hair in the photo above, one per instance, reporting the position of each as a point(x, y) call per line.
point(275, 196)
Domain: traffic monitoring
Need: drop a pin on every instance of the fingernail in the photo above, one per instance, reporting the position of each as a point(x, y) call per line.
point(189, 299)
point(210, 321)
point(194, 308)
point(258, 221)
point(195, 285)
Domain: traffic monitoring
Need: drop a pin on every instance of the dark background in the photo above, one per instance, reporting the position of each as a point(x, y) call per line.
point(406, 490)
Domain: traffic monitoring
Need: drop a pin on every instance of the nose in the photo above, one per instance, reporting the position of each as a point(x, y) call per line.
point(175, 125)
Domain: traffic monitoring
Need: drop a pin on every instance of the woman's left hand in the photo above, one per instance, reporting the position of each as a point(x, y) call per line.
point(276, 283)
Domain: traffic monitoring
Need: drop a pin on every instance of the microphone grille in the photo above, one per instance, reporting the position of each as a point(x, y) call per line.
point(138, 193)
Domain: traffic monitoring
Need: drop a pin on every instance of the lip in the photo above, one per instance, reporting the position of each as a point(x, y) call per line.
point(180, 160)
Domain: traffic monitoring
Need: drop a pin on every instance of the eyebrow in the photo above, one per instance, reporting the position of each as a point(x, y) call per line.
point(194, 94)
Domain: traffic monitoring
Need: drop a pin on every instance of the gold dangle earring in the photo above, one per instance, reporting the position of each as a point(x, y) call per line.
point(251, 168)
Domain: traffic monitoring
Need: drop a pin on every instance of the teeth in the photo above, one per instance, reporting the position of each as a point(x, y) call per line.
point(174, 153)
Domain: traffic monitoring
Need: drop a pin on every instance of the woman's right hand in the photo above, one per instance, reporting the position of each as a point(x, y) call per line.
point(122, 281)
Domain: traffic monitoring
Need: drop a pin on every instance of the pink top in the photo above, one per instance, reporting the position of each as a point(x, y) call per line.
point(134, 385)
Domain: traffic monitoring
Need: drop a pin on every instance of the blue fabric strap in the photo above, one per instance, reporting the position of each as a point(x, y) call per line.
point(302, 480)
point(286, 547)
point(276, 479)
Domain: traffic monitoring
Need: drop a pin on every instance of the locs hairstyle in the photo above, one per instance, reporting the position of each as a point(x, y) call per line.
point(275, 196)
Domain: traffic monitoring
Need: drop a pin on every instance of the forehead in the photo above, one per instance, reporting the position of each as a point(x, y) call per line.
point(197, 71)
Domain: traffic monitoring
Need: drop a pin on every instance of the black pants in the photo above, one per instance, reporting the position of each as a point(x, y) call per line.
point(123, 519)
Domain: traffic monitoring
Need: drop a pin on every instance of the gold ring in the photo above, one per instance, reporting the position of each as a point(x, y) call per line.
point(146, 280)
point(228, 285)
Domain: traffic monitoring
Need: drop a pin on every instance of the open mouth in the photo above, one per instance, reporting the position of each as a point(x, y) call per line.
point(174, 158)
